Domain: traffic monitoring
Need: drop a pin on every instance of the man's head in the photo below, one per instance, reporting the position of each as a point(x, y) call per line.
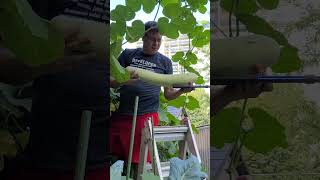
point(152, 38)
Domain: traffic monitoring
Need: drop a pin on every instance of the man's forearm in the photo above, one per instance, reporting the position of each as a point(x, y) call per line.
point(172, 94)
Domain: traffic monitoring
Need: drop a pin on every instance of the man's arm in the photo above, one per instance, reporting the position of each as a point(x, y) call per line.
point(13, 71)
point(223, 96)
point(134, 77)
point(171, 93)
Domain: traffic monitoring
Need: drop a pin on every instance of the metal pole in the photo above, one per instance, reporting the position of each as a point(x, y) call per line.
point(307, 79)
point(132, 135)
point(83, 145)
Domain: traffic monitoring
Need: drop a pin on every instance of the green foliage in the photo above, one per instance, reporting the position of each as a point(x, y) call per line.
point(135, 32)
point(21, 24)
point(14, 136)
point(245, 6)
point(267, 133)
point(168, 29)
point(289, 60)
point(200, 116)
point(225, 127)
point(300, 118)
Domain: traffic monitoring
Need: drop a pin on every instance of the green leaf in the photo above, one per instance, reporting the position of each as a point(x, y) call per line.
point(194, 129)
point(192, 70)
point(122, 13)
point(189, 169)
point(173, 120)
point(200, 80)
point(225, 127)
point(186, 22)
point(172, 10)
point(269, 4)
point(134, 5)
point(245, 6)
point(201, 39)
point(191, 57)
point(193, 103)
point(117, 29)
point(258, 25)
point(163, 115)
point(202, 9)
point(178, 56)
point(178, 102)
point(135, 32)
point(166, 2)
point(288, 61)
point(168, 29)
point(267, 133)
point(197, 31)
point(149, 5)
point(43, 44)
point(194, 4)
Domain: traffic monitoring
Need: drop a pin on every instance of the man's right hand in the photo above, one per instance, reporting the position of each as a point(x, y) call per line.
point(77, 52)
point(249, 89)
point(134, 77)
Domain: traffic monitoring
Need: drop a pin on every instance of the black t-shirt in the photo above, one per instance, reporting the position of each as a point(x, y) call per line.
point(148, 94)
point(60, 98)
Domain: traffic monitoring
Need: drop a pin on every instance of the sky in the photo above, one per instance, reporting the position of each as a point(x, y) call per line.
point(141, 15)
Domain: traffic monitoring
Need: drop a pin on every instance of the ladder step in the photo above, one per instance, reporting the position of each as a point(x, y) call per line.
point(170, 129)
point(169, 137)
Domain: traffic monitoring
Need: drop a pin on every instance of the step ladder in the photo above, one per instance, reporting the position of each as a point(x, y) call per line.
point(153, 134)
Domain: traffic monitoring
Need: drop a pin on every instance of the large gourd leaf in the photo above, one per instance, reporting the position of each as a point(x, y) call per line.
point(189, 169)
point(267, 133)
point(225, 127)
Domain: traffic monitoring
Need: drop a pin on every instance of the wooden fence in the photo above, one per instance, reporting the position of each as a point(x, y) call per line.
point(203, 143)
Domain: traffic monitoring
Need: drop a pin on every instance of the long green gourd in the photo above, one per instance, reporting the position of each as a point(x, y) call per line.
point(236, 56)
point(163, 79)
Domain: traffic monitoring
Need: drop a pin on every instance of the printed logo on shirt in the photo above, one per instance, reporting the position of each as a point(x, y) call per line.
point(141, 63)
point(97, 10)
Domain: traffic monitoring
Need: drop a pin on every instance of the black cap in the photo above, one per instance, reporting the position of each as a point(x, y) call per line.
point(151, 25)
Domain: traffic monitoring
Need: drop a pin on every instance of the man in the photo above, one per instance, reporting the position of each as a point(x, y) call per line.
point(62, 90)
point(149, 58)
